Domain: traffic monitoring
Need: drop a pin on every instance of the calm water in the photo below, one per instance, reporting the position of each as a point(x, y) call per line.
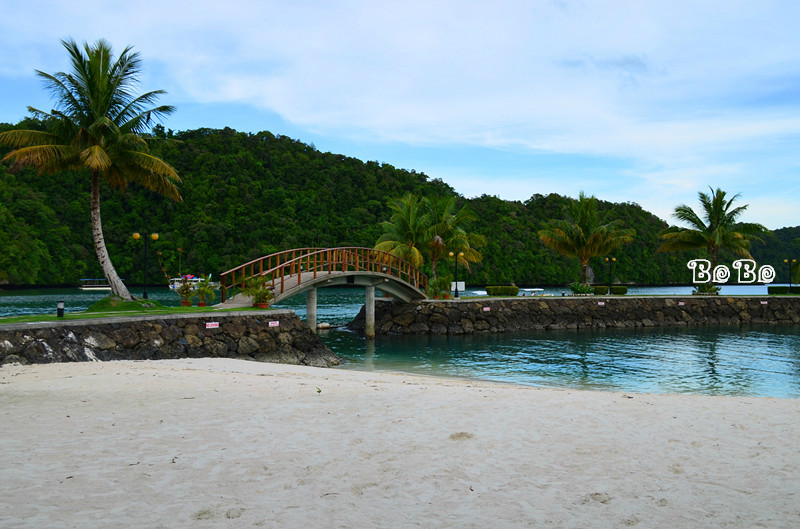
point(756, 361)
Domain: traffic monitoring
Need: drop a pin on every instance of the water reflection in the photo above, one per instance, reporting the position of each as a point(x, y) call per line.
point(712, 361)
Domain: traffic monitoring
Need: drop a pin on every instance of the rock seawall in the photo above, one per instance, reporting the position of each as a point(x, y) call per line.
point(500, 315)
point(274, 336)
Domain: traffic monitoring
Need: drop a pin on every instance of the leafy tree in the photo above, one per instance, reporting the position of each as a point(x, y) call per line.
point(584, 233)
point(717, 229)
point(449, 231)
point(96, 127)
point(405, 234)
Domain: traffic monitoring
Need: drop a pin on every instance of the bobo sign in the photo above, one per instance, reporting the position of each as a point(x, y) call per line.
point(746, 269)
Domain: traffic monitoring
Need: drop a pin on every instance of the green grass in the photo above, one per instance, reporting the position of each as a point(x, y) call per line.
point(112, 306)
point(117, 304)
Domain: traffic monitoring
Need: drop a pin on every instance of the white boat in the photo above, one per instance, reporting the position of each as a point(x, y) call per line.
point(532, 291)
point(176, 282)
point(192, 280)
point(94, 284)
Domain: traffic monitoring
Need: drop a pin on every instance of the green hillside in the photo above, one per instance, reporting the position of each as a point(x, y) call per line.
point(247, 195)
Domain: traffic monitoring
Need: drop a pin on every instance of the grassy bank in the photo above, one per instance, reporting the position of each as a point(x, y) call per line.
point(115, 307)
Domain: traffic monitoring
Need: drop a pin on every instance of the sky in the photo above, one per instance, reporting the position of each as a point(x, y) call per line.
point(636, 101)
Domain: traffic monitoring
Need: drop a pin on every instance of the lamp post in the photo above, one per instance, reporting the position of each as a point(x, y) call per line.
point(789, 266)
point(460, 254)
point(610, 261)
point(136, 237)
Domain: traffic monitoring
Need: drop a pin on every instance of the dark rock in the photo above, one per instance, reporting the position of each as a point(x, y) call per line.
point(556, 313)
point(247, 346)
point(239, 336)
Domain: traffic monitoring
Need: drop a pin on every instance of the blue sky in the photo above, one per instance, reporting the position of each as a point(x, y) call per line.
point(631, 101)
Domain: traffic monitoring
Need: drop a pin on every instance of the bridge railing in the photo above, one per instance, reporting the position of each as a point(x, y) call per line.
point(309, 263)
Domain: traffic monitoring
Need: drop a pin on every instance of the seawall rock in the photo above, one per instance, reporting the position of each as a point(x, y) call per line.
point(501, 315)
point(274, 336)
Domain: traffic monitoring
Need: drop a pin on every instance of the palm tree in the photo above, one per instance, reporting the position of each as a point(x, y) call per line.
point(449, 231)
point(584, 233)
point(717, 229)
point(405, 233)
point(96, 127)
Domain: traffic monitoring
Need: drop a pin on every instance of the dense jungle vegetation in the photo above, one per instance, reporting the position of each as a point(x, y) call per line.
point(248, 195)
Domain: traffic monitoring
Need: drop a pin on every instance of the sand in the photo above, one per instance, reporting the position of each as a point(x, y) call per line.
point(225, 443)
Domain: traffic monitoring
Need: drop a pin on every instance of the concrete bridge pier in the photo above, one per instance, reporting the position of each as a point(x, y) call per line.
point(311, 309)
point(369, 312)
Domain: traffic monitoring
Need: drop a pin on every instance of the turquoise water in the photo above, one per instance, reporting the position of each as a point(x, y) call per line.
point(754, 361)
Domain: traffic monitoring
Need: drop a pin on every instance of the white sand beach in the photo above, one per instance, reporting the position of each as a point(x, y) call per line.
point(224, 443)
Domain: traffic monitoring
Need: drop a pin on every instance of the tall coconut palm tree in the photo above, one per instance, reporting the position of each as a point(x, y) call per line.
point(449, 231)
point(96, 127)
point(715, 228)
point(584, 233)
point(405, 233)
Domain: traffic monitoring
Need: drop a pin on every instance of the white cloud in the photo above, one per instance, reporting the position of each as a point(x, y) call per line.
point(681, 91)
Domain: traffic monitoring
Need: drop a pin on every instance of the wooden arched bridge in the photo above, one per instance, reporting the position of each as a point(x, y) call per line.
point(299, 270)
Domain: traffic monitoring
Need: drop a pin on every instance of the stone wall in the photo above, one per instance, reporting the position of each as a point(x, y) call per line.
point(499, 315)
point(242, 335)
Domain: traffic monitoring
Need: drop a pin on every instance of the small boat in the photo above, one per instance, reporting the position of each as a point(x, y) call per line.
point(532, 291)
point(94, 284)
point(192, 280)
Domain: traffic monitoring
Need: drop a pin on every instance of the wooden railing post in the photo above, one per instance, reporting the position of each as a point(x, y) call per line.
point(292, 262)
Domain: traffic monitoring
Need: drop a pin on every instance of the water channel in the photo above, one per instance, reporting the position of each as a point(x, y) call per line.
point(752, 361)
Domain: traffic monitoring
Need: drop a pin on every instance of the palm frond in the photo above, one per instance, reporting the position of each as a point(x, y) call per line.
point(26, 138)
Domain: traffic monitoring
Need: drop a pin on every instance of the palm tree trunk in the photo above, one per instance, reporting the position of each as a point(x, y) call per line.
point(117, 286)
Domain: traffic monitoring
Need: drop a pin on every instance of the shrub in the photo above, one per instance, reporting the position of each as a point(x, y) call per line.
point(619, 290)
point(503, 290)
point(581, 288)
point(777, 289)
point(706, 289)
point(600, 290)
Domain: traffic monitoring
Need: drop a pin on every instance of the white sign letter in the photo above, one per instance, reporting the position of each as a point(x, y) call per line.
point(747, 269)
point(700, 270)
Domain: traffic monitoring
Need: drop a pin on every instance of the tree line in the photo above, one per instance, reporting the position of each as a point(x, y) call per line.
point(247, 195)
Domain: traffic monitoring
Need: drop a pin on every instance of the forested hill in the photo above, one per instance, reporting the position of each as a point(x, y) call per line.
point(248, 195)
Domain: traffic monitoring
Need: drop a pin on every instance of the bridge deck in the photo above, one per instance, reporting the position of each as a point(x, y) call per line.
point(295, 271)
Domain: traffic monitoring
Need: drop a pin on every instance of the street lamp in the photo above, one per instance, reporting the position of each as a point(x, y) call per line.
point(610, 261)
point(790, 264)
point(136, 237)
point(460, 254)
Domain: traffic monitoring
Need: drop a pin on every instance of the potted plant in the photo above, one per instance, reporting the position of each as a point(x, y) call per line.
point(205, 291)
point(256, 288)
point(440, 287)
point(186, 292)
